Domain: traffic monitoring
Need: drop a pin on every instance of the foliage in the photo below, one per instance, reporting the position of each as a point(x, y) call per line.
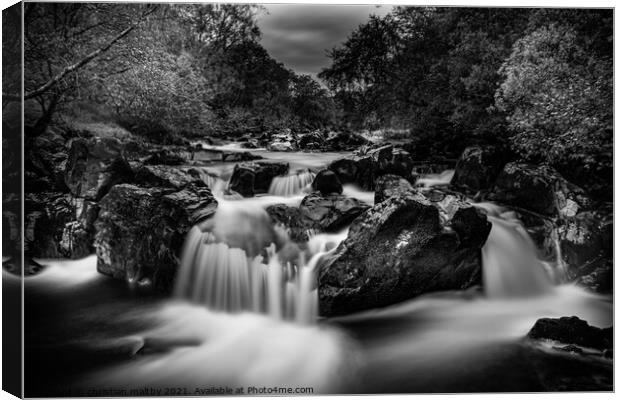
point(557, 94)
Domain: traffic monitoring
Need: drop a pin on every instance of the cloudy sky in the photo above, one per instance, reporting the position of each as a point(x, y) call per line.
point(299, 35)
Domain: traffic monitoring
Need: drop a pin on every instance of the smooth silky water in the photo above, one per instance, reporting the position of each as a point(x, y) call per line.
point(244, 313)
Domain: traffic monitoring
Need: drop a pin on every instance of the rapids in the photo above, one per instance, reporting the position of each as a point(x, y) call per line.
point(244, 313)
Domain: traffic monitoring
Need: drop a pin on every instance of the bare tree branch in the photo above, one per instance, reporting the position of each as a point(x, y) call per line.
point(74, 67)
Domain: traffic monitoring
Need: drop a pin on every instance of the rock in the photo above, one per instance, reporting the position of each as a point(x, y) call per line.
point(402, 248)
point(327, 182)
point(391, 185)
point(316, 214)
point(608, 353)
point(344, 141)
point(255, 177)
point(44, 162)
point(570, 349)
point(166, 176)
point(330, 213)
point(251, 144)
point(237, 156)
point(45, 217)
point(77, 241)
point(540, 189)
point(291, 219)
point(399, 163)
point(586, 242)
point(478, 168)
point(364, 170)
point(280, 146)
point(164, 157)
point(572, 330)
point(311, 141)
point(140, 231)
point(94, 165)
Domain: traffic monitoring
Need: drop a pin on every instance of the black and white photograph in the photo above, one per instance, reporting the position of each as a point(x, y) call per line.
point(231, 199)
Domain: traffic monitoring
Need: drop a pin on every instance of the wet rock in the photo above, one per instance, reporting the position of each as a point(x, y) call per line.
point(570, 349)
point(251, 144)
point(281, 146)
point(165, 157)
point(94, 165)
point(391, 185)
point(45, 217)
point(402, 247)
point(364, 170)
point(237, 156)
point(478, 168)
point(77, 241)
point(608, 353)
point(44, 162)
point(572, 330)
point(316, 214)
point(165, 176)
point(344, 141)
point(140, 231)
point(311, 141)
point(291, 220)
point(330, 213)
point(327, 182)
point(586, 242)
point(540, 189)
point(255, 177)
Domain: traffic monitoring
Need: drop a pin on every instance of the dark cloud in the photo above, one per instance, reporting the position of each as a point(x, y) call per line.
point(299, 35)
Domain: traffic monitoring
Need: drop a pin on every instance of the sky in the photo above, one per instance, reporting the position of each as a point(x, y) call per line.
point(299, 35)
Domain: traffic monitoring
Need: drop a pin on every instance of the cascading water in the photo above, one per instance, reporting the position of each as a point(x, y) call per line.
point(511, 267)
point(429, 180)
point(291, 185)
point(231, 263)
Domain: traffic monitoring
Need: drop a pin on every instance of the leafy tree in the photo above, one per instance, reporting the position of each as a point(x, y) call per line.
point(558, 96)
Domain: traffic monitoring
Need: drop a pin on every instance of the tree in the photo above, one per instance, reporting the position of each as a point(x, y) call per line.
point(558, 95)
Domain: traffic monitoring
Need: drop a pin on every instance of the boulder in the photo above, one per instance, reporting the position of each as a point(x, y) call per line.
point(45, 217)
point(403, 247)
point(255, 177)
point(586, 243)
point(251, 144)
point(311, 141)
point(166, 176)
point(364, 170)
point(344, 141)
point(327, 182)
point(291, 219)
point(391, 185)
point(77, 241)
point(540, 189)
point(94, 165)
point(316, 214)
point(478, 168)
point(281, 146)
point(330, 213)
point(140, 231)
point(572, 330)
point(165, 157)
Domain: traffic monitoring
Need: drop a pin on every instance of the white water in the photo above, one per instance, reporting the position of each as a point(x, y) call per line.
point(419, 345)
point(511, 267)
point(442, 178)
point(223, 266)
point(291, 185)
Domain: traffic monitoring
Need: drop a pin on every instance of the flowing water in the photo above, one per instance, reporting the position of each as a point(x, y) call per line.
point(244, 313)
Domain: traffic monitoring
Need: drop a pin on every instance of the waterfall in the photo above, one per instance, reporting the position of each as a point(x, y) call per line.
point(232, 266)
point(291, 185)
point(429, 180)
point(510, 265)
point(212, 180)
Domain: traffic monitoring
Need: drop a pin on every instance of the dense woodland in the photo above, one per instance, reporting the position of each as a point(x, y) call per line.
point(538, 80)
